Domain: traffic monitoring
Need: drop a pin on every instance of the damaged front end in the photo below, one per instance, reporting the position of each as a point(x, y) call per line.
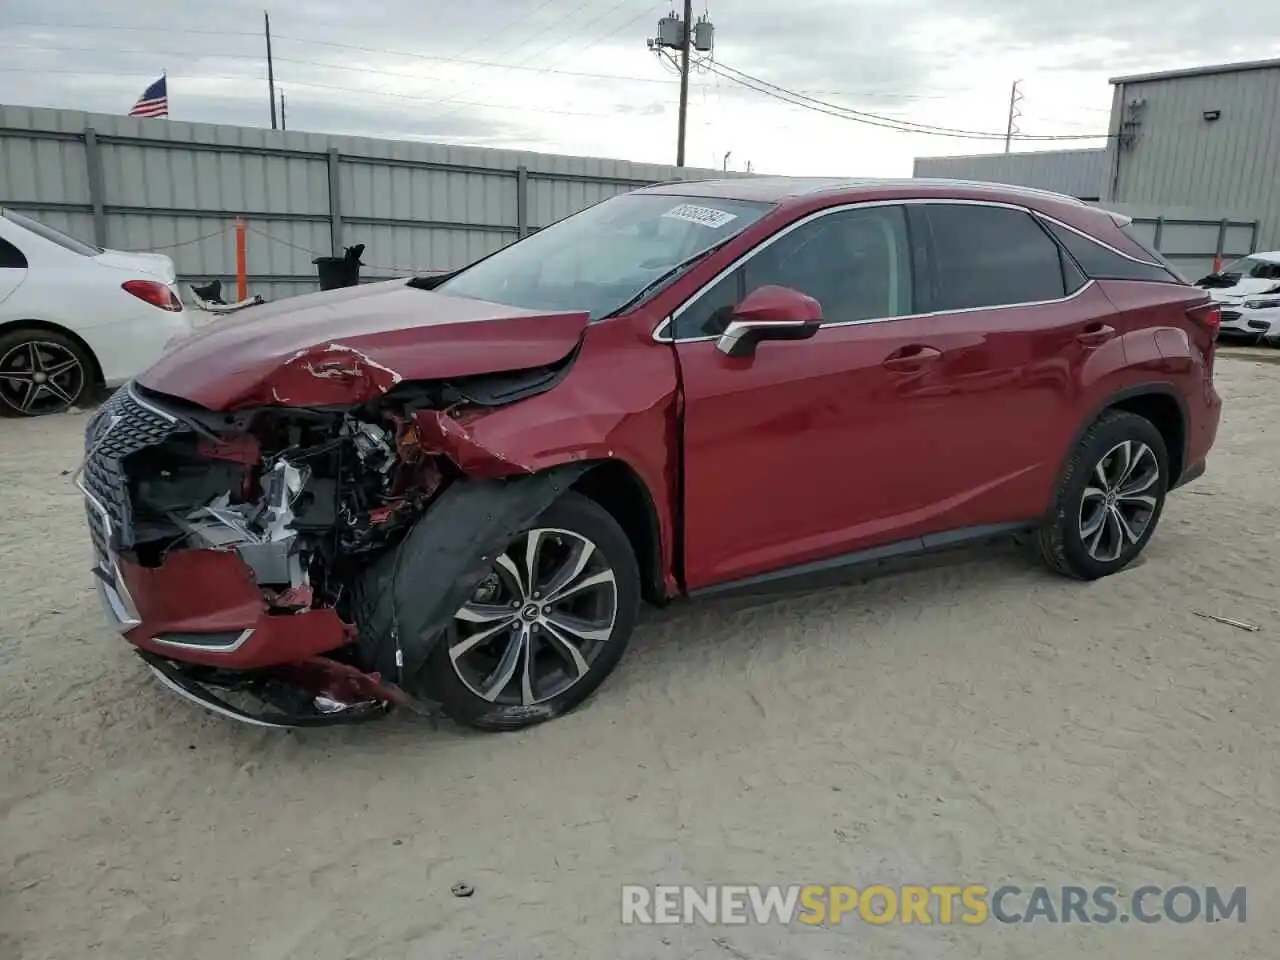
point(253, 557)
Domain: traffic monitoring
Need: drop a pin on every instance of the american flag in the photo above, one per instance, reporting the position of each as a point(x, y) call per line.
point(154, 101)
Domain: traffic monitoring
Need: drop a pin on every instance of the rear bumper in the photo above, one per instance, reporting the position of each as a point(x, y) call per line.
point(203, 607)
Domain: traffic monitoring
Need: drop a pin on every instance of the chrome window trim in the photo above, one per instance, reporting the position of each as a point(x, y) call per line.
point(660, 331)
point(1094, 240)
point(919, 316)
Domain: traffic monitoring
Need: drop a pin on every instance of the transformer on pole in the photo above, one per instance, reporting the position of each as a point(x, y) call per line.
point(683, 34)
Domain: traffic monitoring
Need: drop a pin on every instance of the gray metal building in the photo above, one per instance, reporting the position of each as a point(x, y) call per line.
point(1192, 155)
point(1206, 138)
point(1077, 173)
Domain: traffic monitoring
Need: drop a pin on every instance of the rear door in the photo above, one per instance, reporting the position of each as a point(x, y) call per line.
point(13, 268)
point(1020, 328)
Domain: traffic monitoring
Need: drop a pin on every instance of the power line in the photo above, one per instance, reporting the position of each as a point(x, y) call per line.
point(871, 119)
point(548, 49)
point(112, 26)
point(319, 86)
point(458, 59)
point(756, 84)
point(340, 66)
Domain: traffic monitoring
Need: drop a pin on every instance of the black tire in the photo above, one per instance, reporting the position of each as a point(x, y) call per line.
point(20, 396)
point(441, 682)
point(1061, 540)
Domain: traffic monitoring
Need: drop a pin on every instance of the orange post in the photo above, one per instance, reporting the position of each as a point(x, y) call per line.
point(242, 272)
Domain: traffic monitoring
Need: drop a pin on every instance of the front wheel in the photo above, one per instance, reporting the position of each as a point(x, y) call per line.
point(544, 627)
point(1109, 498)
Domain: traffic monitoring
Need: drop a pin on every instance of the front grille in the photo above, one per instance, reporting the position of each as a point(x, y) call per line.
point(1230, 314)
point(121, 427)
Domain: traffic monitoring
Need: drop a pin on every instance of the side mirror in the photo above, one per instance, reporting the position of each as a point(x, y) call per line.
point(770, 313)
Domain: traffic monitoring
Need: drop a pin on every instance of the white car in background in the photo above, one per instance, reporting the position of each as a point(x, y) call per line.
point(1249, 291)
point(75, 318)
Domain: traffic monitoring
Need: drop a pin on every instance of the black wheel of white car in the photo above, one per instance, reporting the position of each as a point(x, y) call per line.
point(42, 372)
point(1109, 499)
point(545, 626)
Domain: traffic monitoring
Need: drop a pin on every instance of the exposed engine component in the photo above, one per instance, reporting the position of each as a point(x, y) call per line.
point(300, 495)
point(372, 446)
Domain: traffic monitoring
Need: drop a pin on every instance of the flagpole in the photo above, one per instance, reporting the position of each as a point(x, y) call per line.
point(271, 75)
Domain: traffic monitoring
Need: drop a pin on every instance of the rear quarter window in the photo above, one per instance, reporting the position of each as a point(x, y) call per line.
point(11, 258)
point(1101, 263)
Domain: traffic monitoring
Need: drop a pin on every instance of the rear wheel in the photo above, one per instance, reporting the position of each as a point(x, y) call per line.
point(42, 372)
point(546, 625)
point(1109, 498)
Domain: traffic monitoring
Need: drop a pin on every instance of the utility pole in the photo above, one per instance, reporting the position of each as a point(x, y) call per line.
point(1014, 98)
point(727, 155)
point(685, 59)
point(271, 73)
point(687, 37)
point(283, 125)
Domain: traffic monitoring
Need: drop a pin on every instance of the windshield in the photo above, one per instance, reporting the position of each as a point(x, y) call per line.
point(601, 259)
point(52, 235)
point(1253, 267)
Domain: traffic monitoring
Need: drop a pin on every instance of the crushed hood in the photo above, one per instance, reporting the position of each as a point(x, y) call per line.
point(1245, 287)
point(350, 345)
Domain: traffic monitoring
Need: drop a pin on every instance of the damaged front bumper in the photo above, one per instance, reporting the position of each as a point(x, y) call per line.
point(312, 693)
point(201, 618)
point(235, 560)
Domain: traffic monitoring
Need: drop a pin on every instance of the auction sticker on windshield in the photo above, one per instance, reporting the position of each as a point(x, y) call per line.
point(706, 216)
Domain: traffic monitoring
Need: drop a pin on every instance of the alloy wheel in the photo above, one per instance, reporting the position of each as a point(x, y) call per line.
point(538, 620)
point(1119, 503)
point(39, 377)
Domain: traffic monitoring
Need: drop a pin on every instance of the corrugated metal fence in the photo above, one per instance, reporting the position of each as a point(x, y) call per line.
point(177, 187)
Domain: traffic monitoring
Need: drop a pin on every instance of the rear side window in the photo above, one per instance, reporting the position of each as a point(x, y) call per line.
point(990, 257)
point(11, 257)
point(52, 235)
point(1103, 264)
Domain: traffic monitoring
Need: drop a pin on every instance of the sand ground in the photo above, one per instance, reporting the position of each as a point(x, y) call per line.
point(980, 721)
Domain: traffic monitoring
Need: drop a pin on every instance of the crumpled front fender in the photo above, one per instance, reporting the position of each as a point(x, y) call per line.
point(405, 599)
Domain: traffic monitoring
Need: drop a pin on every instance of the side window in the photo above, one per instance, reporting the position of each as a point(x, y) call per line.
point(709, 314)
point(11, 257)
point(989, 257)
point(856, 263)
point(1101, 264)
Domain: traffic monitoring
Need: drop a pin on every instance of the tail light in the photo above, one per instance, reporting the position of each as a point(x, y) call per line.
point(155, 293)
point(1207, 316)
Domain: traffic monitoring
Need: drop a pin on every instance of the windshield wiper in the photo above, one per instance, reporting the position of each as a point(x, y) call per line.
point(665, 278)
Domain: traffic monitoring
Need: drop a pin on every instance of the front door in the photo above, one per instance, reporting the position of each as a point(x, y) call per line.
point(800, 451)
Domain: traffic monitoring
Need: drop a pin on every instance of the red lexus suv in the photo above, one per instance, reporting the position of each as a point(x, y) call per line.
point(452, 492)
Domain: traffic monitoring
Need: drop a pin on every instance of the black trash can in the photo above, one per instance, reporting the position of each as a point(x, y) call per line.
point(341, 271)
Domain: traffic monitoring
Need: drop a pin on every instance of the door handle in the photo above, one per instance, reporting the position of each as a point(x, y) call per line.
point(1096, 334)
point(911, 357)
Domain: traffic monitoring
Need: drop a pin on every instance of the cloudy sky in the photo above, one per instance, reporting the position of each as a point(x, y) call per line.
point(574, 76)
